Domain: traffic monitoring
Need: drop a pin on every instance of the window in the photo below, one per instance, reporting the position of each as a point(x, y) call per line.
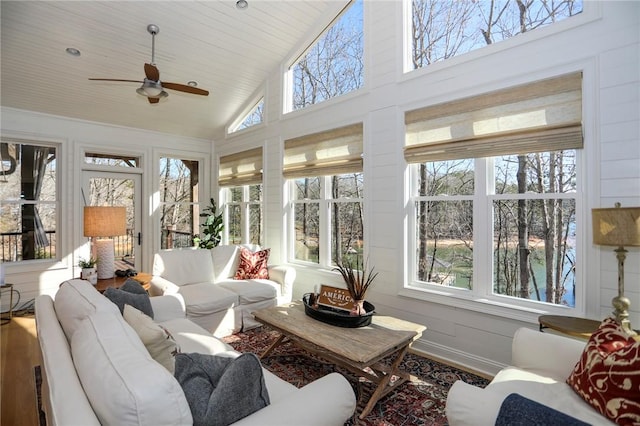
point(326, 191)
point(240, 178)
point(111, 160)
point(444, 29)
point(254, 117)
point(28, 200)
point(179, 220)
point(495, 192)
point(333, 66)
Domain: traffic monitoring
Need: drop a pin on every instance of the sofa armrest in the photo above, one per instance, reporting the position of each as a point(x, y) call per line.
point(285, 276)
point(160, 286)
point(327, 401)
point(545, 353)
point(468, 405)
point(168, 307)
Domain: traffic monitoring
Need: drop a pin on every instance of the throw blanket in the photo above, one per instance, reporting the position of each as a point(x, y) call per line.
point(518, 410)
point(221, 390)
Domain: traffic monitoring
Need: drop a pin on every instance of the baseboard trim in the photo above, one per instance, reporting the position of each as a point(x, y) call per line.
point(482, 367)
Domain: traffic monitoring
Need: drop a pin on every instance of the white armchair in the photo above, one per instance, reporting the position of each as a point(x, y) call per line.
point(541, 364)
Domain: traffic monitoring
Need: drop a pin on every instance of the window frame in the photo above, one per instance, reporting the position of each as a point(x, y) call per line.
point(245, 212)
point(481, 298)
point(325, 203)
point(60, 259)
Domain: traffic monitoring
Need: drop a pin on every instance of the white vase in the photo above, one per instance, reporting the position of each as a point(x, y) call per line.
point(90, 275)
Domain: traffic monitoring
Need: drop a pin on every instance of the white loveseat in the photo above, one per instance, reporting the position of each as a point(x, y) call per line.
point(214, 300)
point(96, 370)
point(541, 363)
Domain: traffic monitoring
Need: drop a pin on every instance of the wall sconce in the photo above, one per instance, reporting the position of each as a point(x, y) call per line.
point(618, 227)
point(103, 223)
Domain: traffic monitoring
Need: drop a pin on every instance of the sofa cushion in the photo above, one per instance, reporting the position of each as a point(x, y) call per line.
point(193, 338)
point(221, 390)
point(159, 342)
point(120, 379)
point(226, 259)
point(606, 376)
point(251, 291)
point(518, 410)
point(76, 300)
point(207, 298)
point(253, 265)
point(184, 266)
point(122, 297)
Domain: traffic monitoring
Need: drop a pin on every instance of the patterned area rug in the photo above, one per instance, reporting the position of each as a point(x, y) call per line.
point(419, 402)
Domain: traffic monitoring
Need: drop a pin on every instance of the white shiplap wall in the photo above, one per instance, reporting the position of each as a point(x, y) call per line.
point(605, 45)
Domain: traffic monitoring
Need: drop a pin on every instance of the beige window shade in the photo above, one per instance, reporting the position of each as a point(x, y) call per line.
point(242, 168)
point(541, 116)
point(333, 152)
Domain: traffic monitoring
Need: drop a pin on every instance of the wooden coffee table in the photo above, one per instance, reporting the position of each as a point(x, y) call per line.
point(116, 282)
point(359, 350)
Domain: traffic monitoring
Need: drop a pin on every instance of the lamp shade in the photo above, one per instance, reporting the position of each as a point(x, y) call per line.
point(616, 226)
point(104, 221)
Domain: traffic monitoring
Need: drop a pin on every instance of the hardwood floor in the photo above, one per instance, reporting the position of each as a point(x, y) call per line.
point(19, 353)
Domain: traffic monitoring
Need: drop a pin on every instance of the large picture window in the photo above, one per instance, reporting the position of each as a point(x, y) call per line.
point(28, 200)
point(326, 191)
point(495, 187)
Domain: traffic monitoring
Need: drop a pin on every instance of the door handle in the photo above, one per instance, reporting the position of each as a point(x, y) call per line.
point(139, 238)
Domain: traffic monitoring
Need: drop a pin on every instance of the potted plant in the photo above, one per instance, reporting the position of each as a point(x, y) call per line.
point(88, 270)
point(358, 278)
point(211, 228)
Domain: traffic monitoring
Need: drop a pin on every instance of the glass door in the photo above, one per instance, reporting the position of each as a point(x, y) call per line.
point(118, 189)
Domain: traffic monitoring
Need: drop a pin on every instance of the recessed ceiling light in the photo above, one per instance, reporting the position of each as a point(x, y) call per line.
point(72, 51)
point(242, 4)
point(192, 83)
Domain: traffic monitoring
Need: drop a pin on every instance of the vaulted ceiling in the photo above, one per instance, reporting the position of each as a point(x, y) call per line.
point(229, 52)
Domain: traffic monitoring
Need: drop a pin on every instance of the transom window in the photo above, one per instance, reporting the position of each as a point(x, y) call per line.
point(443, 29)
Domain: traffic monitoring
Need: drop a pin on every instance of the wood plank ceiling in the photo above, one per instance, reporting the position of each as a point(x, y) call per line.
point(229, 52)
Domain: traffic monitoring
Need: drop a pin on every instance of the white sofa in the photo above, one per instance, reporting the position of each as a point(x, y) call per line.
point(541, 363)
point(214, 300)
point(97, 371)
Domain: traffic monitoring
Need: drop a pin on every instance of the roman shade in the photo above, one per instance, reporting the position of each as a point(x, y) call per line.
point(328, 153)
point(542, 116)
point(241, 168)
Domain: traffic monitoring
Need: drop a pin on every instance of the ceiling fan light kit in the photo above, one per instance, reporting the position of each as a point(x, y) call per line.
point(152, 88)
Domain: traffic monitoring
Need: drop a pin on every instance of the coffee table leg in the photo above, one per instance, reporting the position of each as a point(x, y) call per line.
point(382, 385)
point(273, 346)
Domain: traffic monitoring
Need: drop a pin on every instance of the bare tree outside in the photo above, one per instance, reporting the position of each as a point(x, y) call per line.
point(444, 29)
point(179, 202)
point(334, 65)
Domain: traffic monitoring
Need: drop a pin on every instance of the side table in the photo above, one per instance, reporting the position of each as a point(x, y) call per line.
point(573, 326)
point(143, 278)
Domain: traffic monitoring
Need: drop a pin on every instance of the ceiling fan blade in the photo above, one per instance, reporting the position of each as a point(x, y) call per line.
point(185, 88)
point(151, 72)
point(154, 100)
point(115, 79)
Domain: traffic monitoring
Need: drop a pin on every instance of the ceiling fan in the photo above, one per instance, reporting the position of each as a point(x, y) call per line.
point(152, 87)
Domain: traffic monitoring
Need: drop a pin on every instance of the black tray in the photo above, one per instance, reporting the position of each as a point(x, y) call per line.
point(336, 317)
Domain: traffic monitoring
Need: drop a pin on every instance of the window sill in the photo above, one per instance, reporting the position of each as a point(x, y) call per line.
point(498, 308)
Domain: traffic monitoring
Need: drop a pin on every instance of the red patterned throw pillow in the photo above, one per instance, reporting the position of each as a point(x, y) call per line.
point(608, 374)
point(252, 265)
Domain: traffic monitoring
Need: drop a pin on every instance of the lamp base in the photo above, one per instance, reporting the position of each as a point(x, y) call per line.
point(106, 258)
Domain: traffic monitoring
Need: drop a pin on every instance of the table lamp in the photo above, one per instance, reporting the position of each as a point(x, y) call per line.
point(618, 227)
point(103, 223)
